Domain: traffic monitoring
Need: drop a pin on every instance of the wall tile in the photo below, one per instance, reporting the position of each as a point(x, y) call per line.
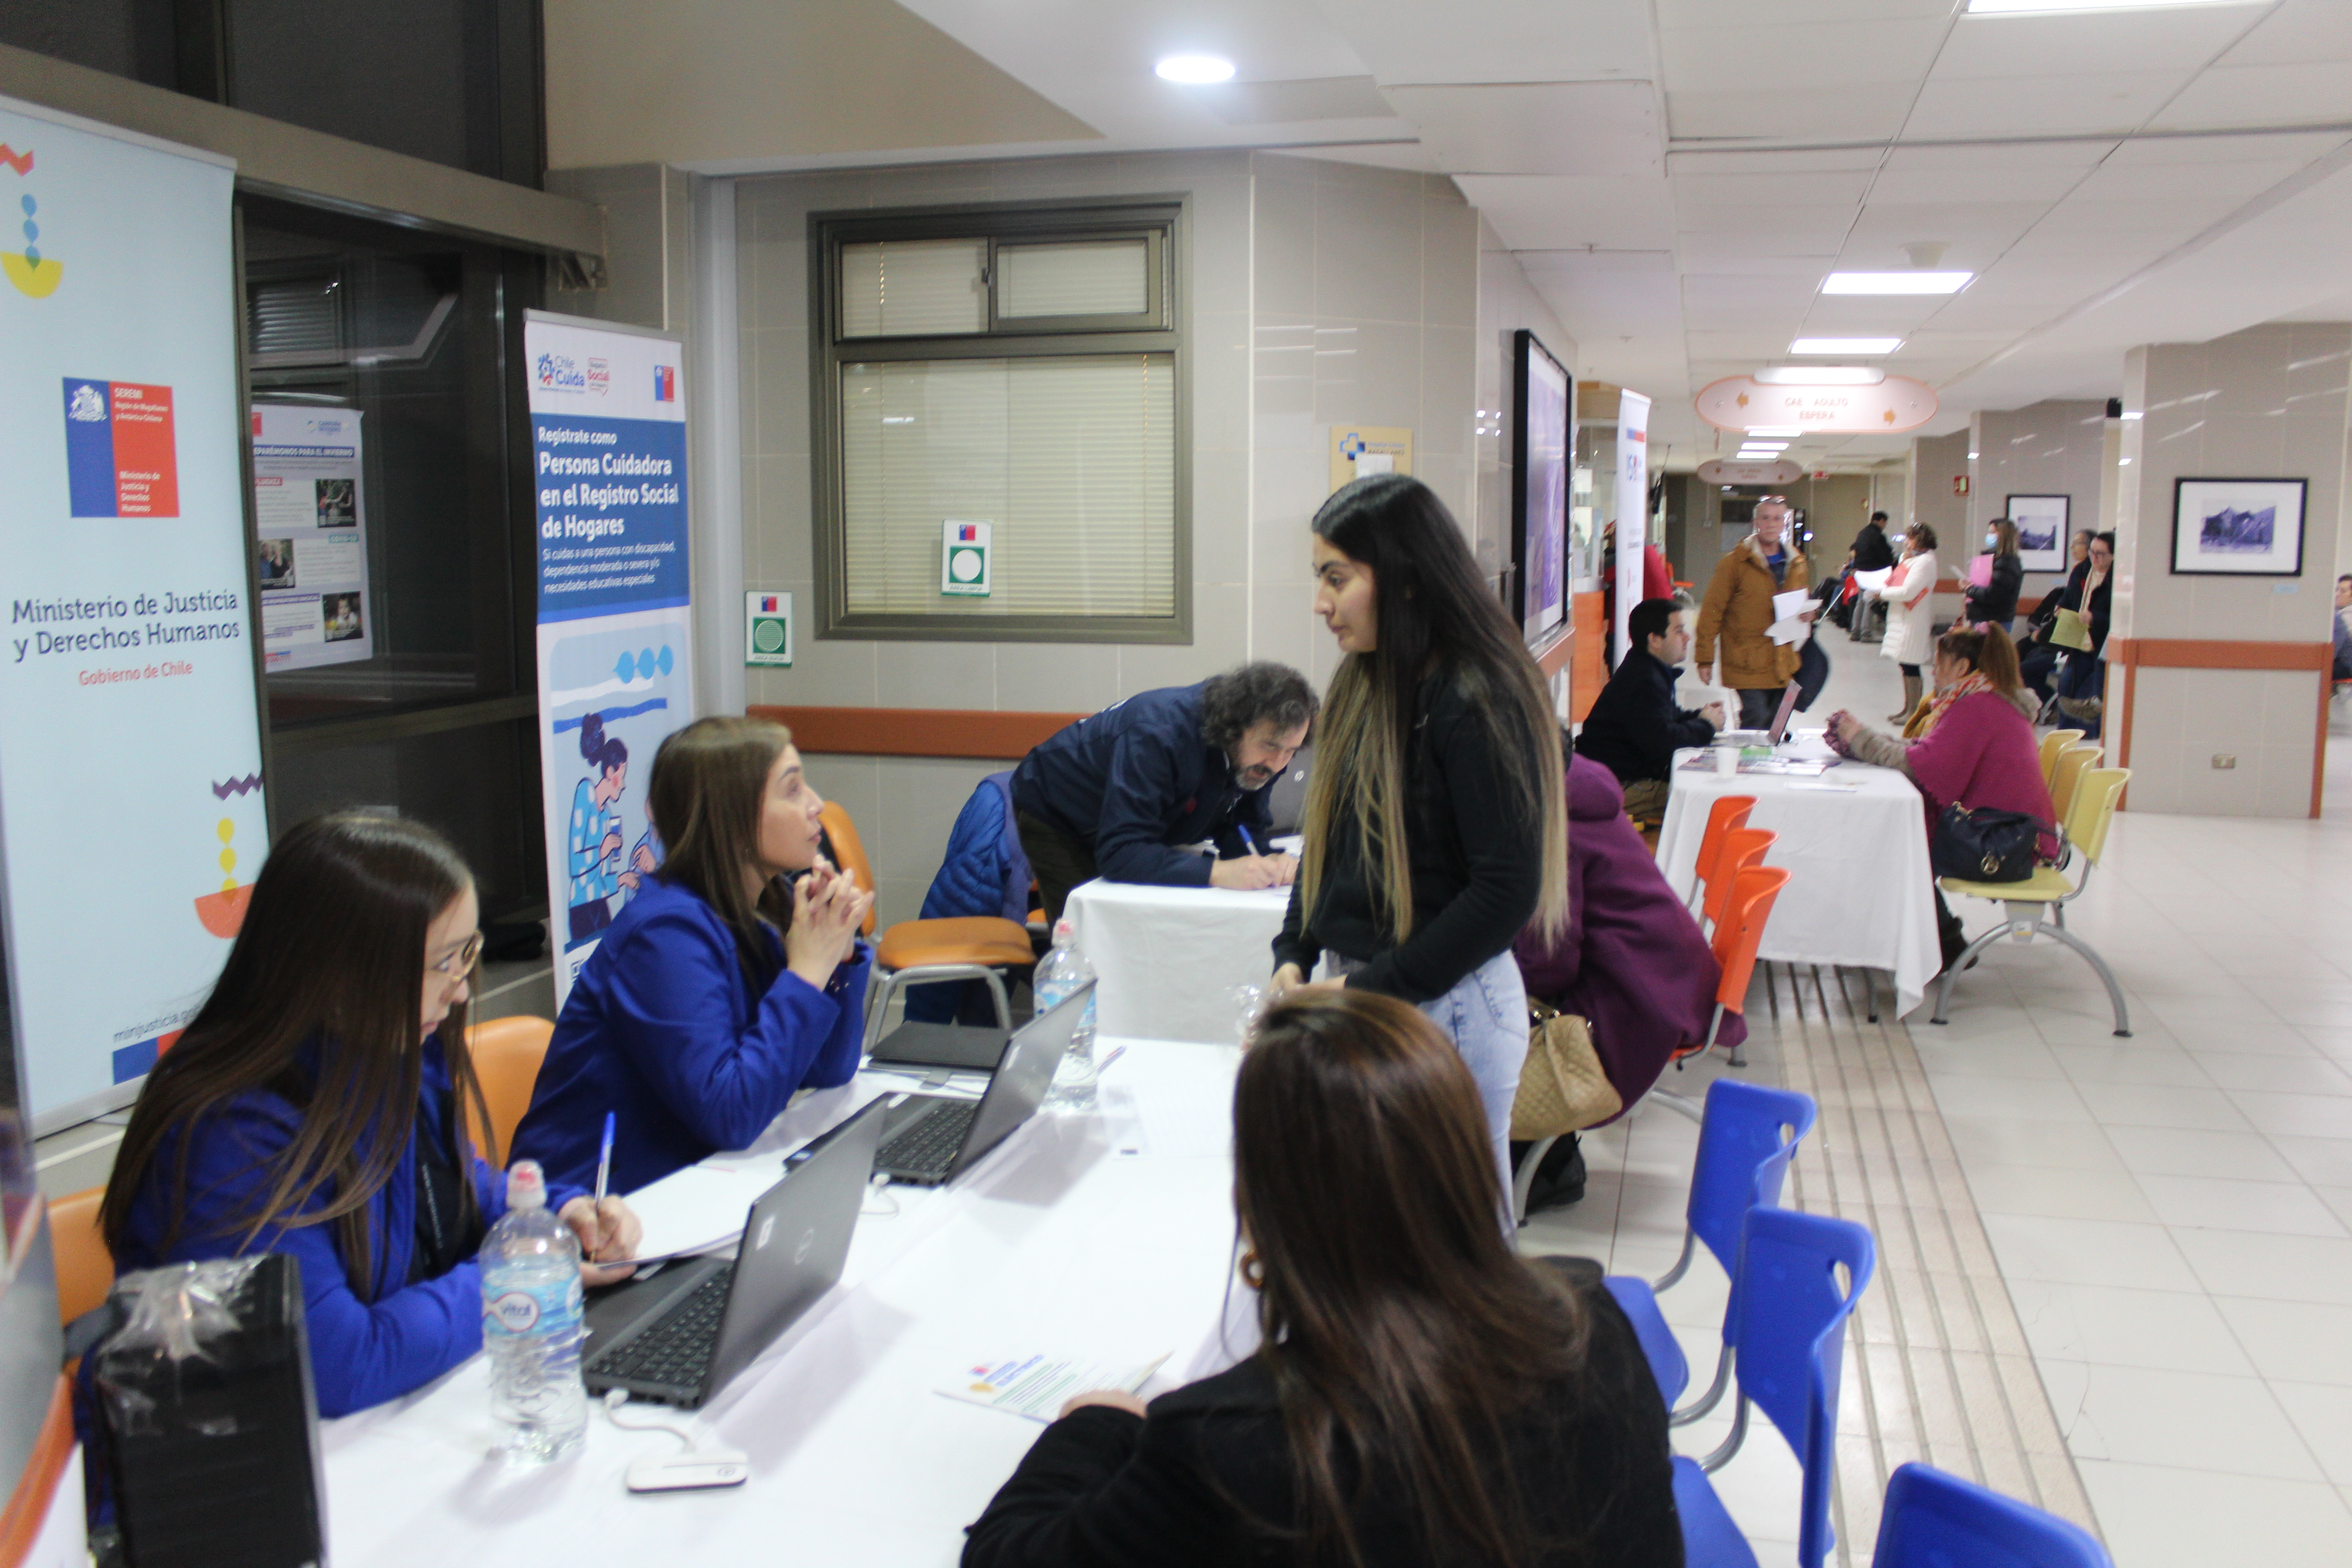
point(1449, 376)
point(1221, 247)
point(1221, 516)
point(1281, 243)
point(825, 672)
point(1449, 261)
point(1220, 640)
point(1368, 373)
point(1057, 677)
point(1367, 252)
point(776, 365)
point(935, 675)
point(1282, 628)
point(919, 799)
point(1222, 368)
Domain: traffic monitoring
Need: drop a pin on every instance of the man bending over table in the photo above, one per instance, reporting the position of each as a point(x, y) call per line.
point(1634, 726)
point(1118, 793)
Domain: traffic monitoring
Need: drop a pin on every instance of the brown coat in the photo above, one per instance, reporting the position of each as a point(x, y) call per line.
point(1738, 612)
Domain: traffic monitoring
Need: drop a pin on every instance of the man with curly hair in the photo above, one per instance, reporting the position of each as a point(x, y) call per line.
point(1121, 794)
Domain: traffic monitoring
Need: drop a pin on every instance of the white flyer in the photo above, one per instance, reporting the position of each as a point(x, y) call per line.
point(309, 511)
point(1035, 1386)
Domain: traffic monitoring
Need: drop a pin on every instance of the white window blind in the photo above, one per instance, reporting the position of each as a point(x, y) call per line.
point(1110, 277)
point(910, 288)
point(1072, 458)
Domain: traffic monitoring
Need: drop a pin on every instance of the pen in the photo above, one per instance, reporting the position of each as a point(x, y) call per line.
point(603, 1169)
point(1248, 842)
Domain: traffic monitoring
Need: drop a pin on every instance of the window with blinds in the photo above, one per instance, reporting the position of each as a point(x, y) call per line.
point(1017, 368)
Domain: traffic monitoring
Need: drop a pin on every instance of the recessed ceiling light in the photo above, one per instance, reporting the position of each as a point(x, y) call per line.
point(1820, 375)
point(1195, 71)
point(2029, 7)
point(1845, 346)
point(1895, 282)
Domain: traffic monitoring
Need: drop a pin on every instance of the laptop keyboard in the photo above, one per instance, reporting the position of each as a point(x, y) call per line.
point(931, 1145)
point(677, 1350)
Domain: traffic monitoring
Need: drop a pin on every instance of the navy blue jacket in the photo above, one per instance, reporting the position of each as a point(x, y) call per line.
point(1634, 727)
point(663, 1030)
point(1135, 779)
point(364, 1350)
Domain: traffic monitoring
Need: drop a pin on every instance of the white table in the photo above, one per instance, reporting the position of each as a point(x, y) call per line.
point(1169, 960)
point(1860, 891)
point(1106, 1235)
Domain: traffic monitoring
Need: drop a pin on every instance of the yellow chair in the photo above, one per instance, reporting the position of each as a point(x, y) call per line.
point(916, 953)
point(85, 1263)
point(2054, 742)
point(2067, 777)
point(506, 1054)
point(2036, 907)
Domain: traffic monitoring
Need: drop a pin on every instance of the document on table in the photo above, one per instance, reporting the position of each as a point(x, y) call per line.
point(1035, 1386)
point(1786, 627)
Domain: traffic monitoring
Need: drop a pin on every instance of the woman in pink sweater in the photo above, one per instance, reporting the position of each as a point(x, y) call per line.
point(1975, 747)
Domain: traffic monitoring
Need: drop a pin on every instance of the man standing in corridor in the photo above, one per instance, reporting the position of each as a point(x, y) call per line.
point(1737, 613)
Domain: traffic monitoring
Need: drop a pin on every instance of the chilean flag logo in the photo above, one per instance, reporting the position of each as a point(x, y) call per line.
point(967, 534)
point(770, 603)
point(664, 383)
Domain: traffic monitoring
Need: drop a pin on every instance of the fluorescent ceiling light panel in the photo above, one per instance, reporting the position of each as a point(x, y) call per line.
point(2037, 7)
point(1895, 282)
point(1845, 346)
point(1820, 375)
point(1194, 69)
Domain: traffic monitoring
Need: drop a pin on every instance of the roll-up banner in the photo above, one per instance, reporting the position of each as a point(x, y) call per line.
point(615, 676)
point(130, 804)
point(1632, 504)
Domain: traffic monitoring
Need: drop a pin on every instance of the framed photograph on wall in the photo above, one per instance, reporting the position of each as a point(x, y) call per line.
point(2237, 528)
point(1539, 453)
point(2040, 529)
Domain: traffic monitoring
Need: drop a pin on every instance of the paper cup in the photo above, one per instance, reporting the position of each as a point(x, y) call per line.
point(1727, 761)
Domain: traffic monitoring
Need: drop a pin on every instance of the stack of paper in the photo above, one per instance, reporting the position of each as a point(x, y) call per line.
point(1035, 1386)
point(1873, 581)
point(1786, 627)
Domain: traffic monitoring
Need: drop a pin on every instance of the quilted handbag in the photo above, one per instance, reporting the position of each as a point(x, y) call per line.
point(1562, 1087)
point(1985, 845)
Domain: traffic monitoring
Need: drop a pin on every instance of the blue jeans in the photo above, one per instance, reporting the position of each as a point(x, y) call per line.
point(1485, 1016)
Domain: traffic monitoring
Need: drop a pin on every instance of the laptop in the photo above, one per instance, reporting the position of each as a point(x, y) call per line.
point(962, 1047)
point(683, 1334)
point(935, 1138)
point(1789, 696)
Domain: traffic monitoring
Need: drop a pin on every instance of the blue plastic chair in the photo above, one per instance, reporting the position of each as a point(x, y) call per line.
point(1936, 1520)
point(1792, 1335)
point(1658, 1345)
point(1745, 1140)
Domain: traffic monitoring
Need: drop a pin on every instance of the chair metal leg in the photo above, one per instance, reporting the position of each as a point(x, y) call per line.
point(1722, 1456)
point(2115, 992)
point(879, 988)
point(1796, 991)
point(1698, 1408)
point(1524, 1180)
point(1771, 993)
point(1673, 1276)
point(1870, 990)
point(1952, 970)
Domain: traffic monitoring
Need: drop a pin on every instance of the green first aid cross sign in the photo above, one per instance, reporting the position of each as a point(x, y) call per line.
point(963, 558)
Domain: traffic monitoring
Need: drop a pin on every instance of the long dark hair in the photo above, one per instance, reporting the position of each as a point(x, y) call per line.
point(319, 1006)
point(1401, 1328)
point(1435, 612)
point(708, 782)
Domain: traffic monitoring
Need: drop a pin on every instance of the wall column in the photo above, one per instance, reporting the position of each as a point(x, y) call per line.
point(2217, 686)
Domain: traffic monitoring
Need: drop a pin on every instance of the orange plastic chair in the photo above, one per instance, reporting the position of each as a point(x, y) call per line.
point(1737, 937)
point(916, 953)
point(1743, 848)
point(506, 1054)
point(85, 1264)
point(1730, 811)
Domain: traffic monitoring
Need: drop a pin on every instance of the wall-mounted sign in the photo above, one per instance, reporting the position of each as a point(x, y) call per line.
point(963, 558)
point(1960, 484)
point(767, 629)
point(1360, 449)
point(1740, 402)
point(1732, 472)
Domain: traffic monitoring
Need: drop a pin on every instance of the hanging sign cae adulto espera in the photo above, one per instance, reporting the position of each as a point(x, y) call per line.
point(1743, 403)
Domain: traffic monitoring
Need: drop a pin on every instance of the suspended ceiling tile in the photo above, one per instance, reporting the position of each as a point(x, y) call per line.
point(1604, 128)
point(1695, 14)
point(2039, 105)
point(2178, 218)
point(1756, 188)
point(1411, 41)
point(1754, 254)
point(1864, 111)
point(2298, 32)
point(2166, 183)
point(1994, 183)
point(2172, 152)
point(1763, 162)
point(1978, 225)
point(1808, 229)
point(1557, 212)
point(2312, 91)
point(1798, 58)
point(1290, 103)
point(2090, 43)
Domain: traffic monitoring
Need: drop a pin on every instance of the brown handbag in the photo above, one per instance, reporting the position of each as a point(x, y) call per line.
point(1562, 1087)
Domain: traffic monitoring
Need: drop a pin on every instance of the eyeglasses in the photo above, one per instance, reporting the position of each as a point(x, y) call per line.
point(461, 962)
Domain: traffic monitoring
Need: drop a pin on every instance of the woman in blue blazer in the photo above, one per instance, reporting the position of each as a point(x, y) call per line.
point(311, 1107)
point(733, 980)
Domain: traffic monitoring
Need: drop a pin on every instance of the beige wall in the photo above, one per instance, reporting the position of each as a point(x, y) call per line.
point(1936, 462)
point(2268, 403)
point(1319, 293)
point(2057, 448)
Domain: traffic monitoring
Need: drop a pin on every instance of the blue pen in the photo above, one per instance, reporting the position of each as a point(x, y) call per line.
point(1248, 842)
point(605, 1164)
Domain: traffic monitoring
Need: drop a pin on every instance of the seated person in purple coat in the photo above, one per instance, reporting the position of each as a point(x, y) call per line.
point(312, 1108)
point(1976, 747)
point(1632, 962)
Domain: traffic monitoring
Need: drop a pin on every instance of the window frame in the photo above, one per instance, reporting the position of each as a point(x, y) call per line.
point(1160, 330)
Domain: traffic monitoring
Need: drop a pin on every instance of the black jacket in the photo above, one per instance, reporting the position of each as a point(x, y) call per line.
point(1135, 779)
point(1186, 1485)
point(1997, 600)
point(1872, 552)
point(1634, 727)
point(1477, 874)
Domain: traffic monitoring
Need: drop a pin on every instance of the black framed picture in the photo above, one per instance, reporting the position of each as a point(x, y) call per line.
point(1539, 458)
point(2237, 528)
point(2040, 529)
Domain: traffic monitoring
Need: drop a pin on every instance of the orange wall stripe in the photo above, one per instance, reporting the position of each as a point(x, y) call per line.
point(2182, 653)
point(916, 731)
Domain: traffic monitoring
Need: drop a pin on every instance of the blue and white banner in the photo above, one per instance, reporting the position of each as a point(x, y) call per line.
point(608, 426)
point(130, 804)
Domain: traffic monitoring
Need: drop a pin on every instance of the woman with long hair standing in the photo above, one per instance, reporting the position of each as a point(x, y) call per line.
point(733, 978)
point(1994, 604)
point(1420, 1392)
point(1436, 826)
point(1910, 614)
point(312, 1108)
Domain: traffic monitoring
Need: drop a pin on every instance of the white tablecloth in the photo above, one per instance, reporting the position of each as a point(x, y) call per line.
point(1860, 892)
point(1107, 1236)
point(1169, 960)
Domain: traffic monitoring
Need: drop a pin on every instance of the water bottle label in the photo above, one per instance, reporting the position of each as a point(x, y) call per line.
point(520, 1310)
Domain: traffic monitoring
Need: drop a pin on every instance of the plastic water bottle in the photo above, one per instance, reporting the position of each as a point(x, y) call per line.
point(532, 1308)
point(1059, 973)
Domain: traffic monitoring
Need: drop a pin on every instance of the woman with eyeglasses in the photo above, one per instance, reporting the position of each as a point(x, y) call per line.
point(314, 1107)
point(734, 979)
